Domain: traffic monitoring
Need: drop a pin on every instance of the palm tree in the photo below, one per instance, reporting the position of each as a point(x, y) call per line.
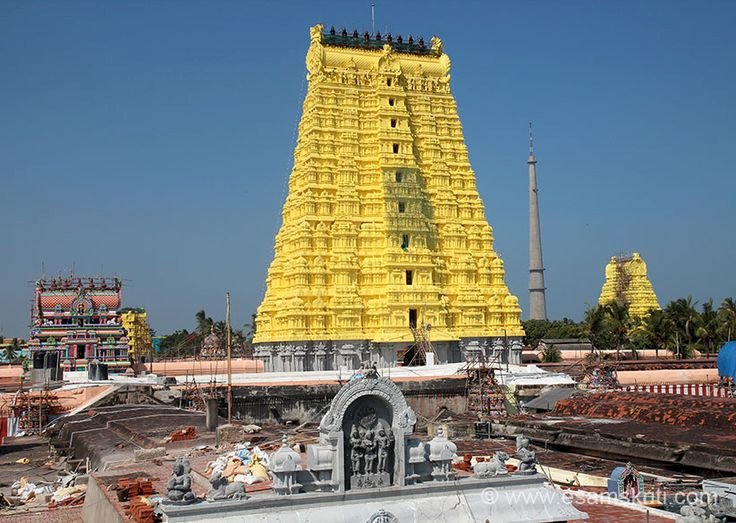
point(204, 324)
point(251, 328)
point(727, 319)
point(659, 330)
point(11, 351)
point(706, 328)
point(683, 316)
point(619, 324)
point(595, 318)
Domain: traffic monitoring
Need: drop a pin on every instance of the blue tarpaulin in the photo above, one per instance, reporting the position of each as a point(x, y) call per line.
point(727, 360)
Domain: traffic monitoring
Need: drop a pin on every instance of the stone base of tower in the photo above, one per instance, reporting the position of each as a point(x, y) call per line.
point(302, 356)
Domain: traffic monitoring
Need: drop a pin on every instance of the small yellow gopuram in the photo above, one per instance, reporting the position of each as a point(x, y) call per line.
point(384, 243)
point(138, 332)
point(627, 282)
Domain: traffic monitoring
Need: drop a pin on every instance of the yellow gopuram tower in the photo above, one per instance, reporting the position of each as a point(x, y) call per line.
point(384, 242)
point(138, 332)
point(627, 282)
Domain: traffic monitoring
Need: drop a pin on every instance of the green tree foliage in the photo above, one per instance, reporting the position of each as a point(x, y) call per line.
point(551, 354)
point(558, 329)
point(601, 329)
point(183, 343)
point(727, 320)
point(250, 328)
point(678, 328)
point(11, 351)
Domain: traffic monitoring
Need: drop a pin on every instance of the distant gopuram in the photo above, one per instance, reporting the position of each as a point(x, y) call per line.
point(78, 320)
point(627, 282)
point(384, 252)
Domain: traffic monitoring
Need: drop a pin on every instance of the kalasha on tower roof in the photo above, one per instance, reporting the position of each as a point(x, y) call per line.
point(376, 41)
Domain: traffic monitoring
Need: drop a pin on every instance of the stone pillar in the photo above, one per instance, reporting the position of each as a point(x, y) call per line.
point(263, 353)
point(515, 352)
point(499, 349)
point(211, 414)
point(299, 359)
point(319, 358)
point(471, 350)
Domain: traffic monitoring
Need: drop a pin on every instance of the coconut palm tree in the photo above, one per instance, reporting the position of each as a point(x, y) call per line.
point(683, 315)
point(11, 351)
point(727, 319)
point(619, 324)
point(706, 327)
point(600, 336)
point(659, 330)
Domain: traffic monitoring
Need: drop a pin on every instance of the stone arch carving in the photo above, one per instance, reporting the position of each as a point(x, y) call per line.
point(404, 417)
point(379, 396)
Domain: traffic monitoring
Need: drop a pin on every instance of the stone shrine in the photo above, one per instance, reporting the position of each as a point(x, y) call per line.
point(369, 467)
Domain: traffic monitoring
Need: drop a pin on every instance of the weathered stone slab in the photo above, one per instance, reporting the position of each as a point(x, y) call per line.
point(146, 454)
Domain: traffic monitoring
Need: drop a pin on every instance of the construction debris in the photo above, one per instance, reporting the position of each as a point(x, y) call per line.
point(186, 433)
point(244, 464)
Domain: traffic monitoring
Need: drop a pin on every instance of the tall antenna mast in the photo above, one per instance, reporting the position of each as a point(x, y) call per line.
point(373, 16)
point(531, 141)
point(537, 298)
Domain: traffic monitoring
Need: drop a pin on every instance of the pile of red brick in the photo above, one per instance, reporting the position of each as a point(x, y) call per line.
point(135, 491)
point(683, 411)
point(184, 434)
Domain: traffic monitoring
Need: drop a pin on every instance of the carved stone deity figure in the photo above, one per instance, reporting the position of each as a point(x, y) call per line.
point(527, 457)
point(179, 486)
point(368, 446)
point(357, 452)
point(384, 442)
point(371, 451)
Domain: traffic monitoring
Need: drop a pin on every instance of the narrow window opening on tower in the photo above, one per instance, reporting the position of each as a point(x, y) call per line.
point(388, 82)
point(409, 277)
point(391, 102)
point(405, 241)
point(402, 206)
point(399, 176)
point(396, 148)
point(393, 122)
point(412, 318)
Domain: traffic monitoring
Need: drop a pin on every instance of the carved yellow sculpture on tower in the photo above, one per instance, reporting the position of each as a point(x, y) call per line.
point(627, 282)
point(383, 230)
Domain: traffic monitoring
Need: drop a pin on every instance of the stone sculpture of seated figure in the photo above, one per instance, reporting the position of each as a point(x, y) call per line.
point(179, 486)
point(527, 457)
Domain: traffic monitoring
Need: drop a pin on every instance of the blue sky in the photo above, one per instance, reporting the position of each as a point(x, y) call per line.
point(154, 140)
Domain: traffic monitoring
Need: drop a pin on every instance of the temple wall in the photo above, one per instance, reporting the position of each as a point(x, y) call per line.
point(300, 402)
